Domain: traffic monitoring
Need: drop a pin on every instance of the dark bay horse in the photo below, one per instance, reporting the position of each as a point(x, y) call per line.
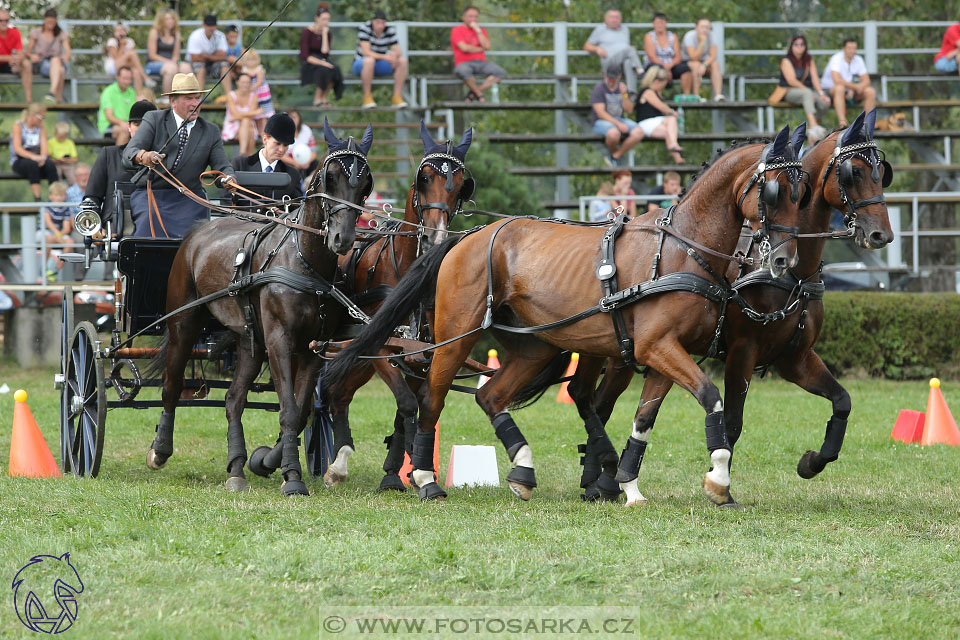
point(848, 174)
point(284, 314)
point(529, 273)
point(439, 188)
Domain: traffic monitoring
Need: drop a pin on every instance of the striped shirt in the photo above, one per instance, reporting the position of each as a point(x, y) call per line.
point(378, 44)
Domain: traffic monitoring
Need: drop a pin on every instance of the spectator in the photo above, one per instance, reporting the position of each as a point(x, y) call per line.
point(278, 136)
point(670, 187)
point(800, 85)
point(655, 117)
point(470, 44)
point(623, 186)
point(316, 67)
point(55, 225)
point(108, 170)
point(611, 42)
point(115, 103)
point(196, 146)
point(946, 60)
point(259, 87)
point(207, 51)
point(64, 152)
point(601, 209)
point(847, 80)
point(238, 123)
point(610, 101)
point(379, 54)
point(76, 190)
point(12, 60)
point(234, 49)
point(700, 53)
point(29, 156)
point(304, 137)
point(49, 48)
point(662, 47)
point(121, 51)
point(163, 48)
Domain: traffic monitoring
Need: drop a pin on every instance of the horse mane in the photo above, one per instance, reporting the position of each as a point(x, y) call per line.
point(707, 164)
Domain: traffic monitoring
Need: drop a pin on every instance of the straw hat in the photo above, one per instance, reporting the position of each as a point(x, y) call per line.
point(184, 83)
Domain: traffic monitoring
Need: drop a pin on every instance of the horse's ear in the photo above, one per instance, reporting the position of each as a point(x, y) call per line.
point(798, 138)
point(328, 135)
point(869, 122)
point(465, 141)
point(428, 142)
point(855, 129)
point(780, 142)
point(367, 140)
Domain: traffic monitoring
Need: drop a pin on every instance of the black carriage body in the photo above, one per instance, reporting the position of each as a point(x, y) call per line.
point(145, 264)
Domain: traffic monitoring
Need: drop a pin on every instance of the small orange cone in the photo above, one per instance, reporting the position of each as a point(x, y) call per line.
point(408, 466)
point(562, 395)
point(29, 454)
point(939, 427)
point(492, 363)
point(908, 427)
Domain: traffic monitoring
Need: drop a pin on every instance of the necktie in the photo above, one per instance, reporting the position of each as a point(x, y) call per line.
point(182, 135)
point(268, 169)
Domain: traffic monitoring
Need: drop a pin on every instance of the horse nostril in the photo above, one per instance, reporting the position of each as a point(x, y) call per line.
point(878, 239)
point(780, 263)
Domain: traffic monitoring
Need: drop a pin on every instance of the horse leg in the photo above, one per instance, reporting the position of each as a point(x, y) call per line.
point(737, 374)
point(655, 388)
point(282, 372)
point(248, 366)
point(673, 361)
point(598, 452)
point(494, 398)
point(809, 373)
point(340, 398)
point(615, 381)
point(182, 332)
point(404, 425)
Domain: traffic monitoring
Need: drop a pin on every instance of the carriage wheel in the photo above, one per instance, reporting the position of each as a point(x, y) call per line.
point(317, 437)
point(83, 405)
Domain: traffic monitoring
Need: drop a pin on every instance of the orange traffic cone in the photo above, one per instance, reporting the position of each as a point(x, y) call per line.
point(29, 454)
point(939, 427)
point(492, 363)
point(408, 466)
point(562, 395)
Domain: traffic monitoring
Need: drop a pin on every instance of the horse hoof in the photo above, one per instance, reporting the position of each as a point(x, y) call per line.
point(718, 493)
point(236, 483)
point(255, 463)
point(431, 491)
point(810, 465)
point(636, 503)
point(156, 461)
point(293, 488)
point(331, 478)
point(609, 488)
point(733, 505)
point(391, 482)
point(522, 491)
point(591, 493)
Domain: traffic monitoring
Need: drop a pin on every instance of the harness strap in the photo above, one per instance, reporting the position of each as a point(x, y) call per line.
point(607, 273)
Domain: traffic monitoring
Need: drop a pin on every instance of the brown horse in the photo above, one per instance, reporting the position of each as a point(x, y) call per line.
point(537, 275)
point(848, 174)
point(283, 315)
point(439, 188)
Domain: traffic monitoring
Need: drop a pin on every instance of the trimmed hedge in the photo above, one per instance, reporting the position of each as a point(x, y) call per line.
point(894, 335)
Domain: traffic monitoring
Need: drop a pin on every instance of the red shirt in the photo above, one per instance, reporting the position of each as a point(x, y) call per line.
point(950, 39)
point(10, 42)
point(463, 33)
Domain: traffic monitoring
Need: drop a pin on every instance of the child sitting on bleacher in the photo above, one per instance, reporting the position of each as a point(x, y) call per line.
point(56, 223)
point(64, 152)
point(250, 65)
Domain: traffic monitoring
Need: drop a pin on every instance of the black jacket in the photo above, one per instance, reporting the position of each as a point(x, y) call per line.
point(252, 163)
point(106, 171)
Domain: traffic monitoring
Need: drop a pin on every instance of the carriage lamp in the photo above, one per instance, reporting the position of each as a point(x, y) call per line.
point(87, 220)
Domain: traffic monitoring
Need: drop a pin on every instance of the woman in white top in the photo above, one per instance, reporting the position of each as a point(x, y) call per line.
point(29, 156)
point(121, 51)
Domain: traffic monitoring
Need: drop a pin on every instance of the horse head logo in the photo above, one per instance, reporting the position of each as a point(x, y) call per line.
point(45, 593)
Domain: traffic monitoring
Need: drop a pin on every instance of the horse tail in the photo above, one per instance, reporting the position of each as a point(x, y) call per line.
point(157, 365)
point(539, 385)
point(418, 283)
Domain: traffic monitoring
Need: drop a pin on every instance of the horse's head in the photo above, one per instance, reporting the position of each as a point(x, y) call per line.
point(440, 186)
point(343, 177)
point(851, 172)
point(772, 177)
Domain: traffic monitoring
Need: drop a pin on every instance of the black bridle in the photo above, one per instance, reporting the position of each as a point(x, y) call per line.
point(444, 164)
point(352, 163)
point(842, 162)
point(768, 194)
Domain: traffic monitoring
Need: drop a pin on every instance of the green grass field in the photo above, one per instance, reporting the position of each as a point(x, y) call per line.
point(870, 548)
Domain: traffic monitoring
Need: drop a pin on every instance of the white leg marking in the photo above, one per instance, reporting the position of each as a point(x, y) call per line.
point(634, 497)
point(422, 477)
point(642, 436)
point(720, 473)
point(339, 465)
point(524, 457)
point(718, 406)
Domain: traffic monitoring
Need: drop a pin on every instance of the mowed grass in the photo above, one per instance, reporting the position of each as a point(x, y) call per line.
point(870, 548)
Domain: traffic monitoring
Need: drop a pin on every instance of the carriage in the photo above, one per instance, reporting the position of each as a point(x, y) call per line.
point(97, 375)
